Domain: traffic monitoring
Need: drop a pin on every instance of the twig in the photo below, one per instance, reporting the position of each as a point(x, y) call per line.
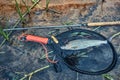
point(118, 48)
point(18, 21)
point(114, 35)
point(43, 56)
point(37, 4)
point(96, 28)
point(77, 76)
point(30, 74)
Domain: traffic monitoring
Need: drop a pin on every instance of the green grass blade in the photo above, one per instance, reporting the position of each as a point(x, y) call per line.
point(18, 21)
point(26, 5)
point(18, 10)
point(2, 33)
point(108, 77)
point(34, 1)
point(47, 4)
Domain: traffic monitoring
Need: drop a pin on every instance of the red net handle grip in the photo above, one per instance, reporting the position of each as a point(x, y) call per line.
point(38, 39)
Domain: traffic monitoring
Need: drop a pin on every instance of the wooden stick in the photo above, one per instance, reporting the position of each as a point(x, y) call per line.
point(104, 23)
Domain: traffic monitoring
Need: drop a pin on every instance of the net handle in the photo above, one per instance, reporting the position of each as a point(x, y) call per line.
point(104, 23)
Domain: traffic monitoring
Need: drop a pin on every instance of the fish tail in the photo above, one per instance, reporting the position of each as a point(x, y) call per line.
point(105, 42)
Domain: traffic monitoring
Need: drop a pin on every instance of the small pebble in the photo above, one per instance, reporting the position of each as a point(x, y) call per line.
point(38, 12)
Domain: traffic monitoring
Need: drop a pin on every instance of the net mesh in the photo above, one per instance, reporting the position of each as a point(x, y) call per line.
point(93, 58)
